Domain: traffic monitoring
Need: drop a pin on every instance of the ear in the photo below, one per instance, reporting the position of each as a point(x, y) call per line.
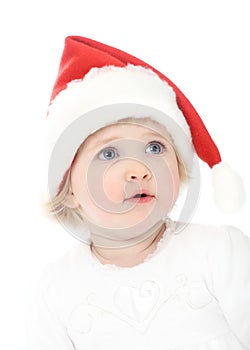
point(70, 201)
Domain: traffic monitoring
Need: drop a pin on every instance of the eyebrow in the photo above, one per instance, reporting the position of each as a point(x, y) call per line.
point(102, 142)
point(113, 138)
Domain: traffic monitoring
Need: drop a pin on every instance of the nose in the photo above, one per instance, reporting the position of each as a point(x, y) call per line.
point(137, 171)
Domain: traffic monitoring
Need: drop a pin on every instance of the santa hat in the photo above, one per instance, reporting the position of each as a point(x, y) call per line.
point(93, 76)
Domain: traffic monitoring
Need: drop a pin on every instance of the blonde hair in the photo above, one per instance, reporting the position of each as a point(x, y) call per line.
point(67, 214)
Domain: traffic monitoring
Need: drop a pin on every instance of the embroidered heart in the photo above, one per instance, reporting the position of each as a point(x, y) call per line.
point(137, 303)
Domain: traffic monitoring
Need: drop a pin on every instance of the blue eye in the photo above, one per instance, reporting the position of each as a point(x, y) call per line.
point(155, 147)
point(107, 154)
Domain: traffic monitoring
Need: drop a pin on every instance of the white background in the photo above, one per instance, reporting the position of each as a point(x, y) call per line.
point(203, 46)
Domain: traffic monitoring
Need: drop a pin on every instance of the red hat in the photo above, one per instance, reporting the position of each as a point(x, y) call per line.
point(94, 75)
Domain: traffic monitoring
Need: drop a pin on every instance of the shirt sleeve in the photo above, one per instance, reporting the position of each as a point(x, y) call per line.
point(45, 330)
point(229, 261)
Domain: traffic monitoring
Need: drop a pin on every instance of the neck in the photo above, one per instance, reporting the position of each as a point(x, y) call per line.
point(132, 255)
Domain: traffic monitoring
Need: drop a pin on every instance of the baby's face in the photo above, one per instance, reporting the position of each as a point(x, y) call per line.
point(125, 178)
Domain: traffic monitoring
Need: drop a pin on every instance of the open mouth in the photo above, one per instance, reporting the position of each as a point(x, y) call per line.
point(141, 198)
point(140, 195)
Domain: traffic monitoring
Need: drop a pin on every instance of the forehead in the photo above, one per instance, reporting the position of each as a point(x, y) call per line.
point(126, 128)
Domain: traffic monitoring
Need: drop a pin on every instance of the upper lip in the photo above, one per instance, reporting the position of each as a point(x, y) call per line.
point(140, 192)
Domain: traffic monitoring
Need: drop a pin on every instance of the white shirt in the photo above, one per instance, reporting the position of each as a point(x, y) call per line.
point(192, 293)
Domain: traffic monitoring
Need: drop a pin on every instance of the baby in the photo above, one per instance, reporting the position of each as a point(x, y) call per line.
point(123, 147)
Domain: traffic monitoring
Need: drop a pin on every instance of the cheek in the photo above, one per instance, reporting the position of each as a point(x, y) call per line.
point(113, 186)
point(174, 169)
point(175, 183)
point(168, 182)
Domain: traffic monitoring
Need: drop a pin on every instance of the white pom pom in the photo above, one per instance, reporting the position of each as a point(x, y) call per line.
point(228, 188)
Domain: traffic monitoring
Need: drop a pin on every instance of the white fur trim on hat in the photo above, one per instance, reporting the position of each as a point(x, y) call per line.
point(112, 85)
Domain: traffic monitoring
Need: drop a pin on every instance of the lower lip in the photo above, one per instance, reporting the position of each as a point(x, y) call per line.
point(141, 200)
